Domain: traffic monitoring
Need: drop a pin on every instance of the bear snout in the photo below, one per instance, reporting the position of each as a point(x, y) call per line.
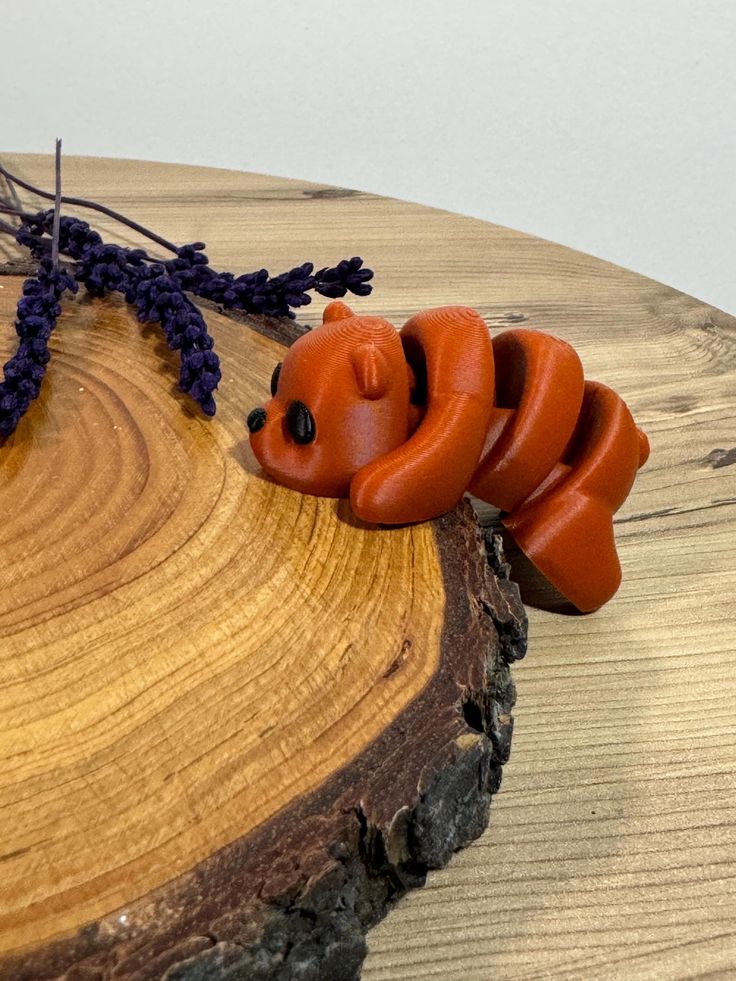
point(256, 419)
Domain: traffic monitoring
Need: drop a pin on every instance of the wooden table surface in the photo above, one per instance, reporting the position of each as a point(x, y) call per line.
point(612, 847)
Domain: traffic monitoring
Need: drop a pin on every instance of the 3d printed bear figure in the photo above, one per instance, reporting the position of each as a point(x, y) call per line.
point(403, 423)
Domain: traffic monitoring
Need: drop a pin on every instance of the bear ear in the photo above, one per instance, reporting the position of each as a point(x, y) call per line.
point(372, 370)
point(336, 310)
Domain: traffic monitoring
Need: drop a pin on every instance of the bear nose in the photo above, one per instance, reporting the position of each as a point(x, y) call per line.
point(256, 420)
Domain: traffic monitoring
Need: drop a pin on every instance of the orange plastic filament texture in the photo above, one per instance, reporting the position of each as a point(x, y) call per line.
point(403, 423)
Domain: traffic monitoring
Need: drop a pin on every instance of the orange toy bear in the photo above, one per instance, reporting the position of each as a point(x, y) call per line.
point(403, 423)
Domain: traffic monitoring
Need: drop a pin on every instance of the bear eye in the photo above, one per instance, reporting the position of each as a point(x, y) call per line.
point(275, 378)
point(300, 422)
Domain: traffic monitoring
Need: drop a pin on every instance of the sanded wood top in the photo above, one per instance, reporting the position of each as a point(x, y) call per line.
point(613, 845)
point(168, 623)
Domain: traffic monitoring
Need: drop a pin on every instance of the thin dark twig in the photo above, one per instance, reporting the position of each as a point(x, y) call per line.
point(10, 209)
point(103, 209)
point(14, 197)
point(6, 227)
point(57, 208)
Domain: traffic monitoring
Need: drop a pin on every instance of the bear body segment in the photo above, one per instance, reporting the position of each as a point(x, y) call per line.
point(404, 423)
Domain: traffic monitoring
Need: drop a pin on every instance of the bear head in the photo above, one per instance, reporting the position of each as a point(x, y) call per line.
point(340, 399)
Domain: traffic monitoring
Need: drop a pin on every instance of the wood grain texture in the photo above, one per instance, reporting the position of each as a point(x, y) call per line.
point(227, 709)
point(237, 722)
point(153, 634)
point(612, 851)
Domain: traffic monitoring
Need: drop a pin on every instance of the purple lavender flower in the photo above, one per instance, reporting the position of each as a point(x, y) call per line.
point(37, 313)
point(348, 276)
point(257, 292)
point(254, 292)
point(157, 296)
point(157, 290)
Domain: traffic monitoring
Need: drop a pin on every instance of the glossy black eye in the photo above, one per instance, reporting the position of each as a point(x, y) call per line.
point(275, 378)
point(256, 420)
point(300, 422)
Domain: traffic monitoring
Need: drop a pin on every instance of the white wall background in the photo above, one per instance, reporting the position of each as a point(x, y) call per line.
point(608, 126)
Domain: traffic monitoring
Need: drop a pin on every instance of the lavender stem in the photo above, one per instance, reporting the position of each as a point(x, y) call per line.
point(57, 209)
point(81, 203)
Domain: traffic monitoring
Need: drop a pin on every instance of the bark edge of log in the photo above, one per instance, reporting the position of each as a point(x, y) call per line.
point(318, 933)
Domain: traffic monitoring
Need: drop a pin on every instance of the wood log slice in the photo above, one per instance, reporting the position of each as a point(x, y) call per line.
point(610, 855)
point(235, 723)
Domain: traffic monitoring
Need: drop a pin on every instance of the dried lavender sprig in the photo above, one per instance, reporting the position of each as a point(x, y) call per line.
point(92, 205)
point(104, 268)
point(252, 292)
point(157, 290)
point(37, 313)
point(57, 208)
point(256, 292)
point(349, 275)
point(158, 297)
